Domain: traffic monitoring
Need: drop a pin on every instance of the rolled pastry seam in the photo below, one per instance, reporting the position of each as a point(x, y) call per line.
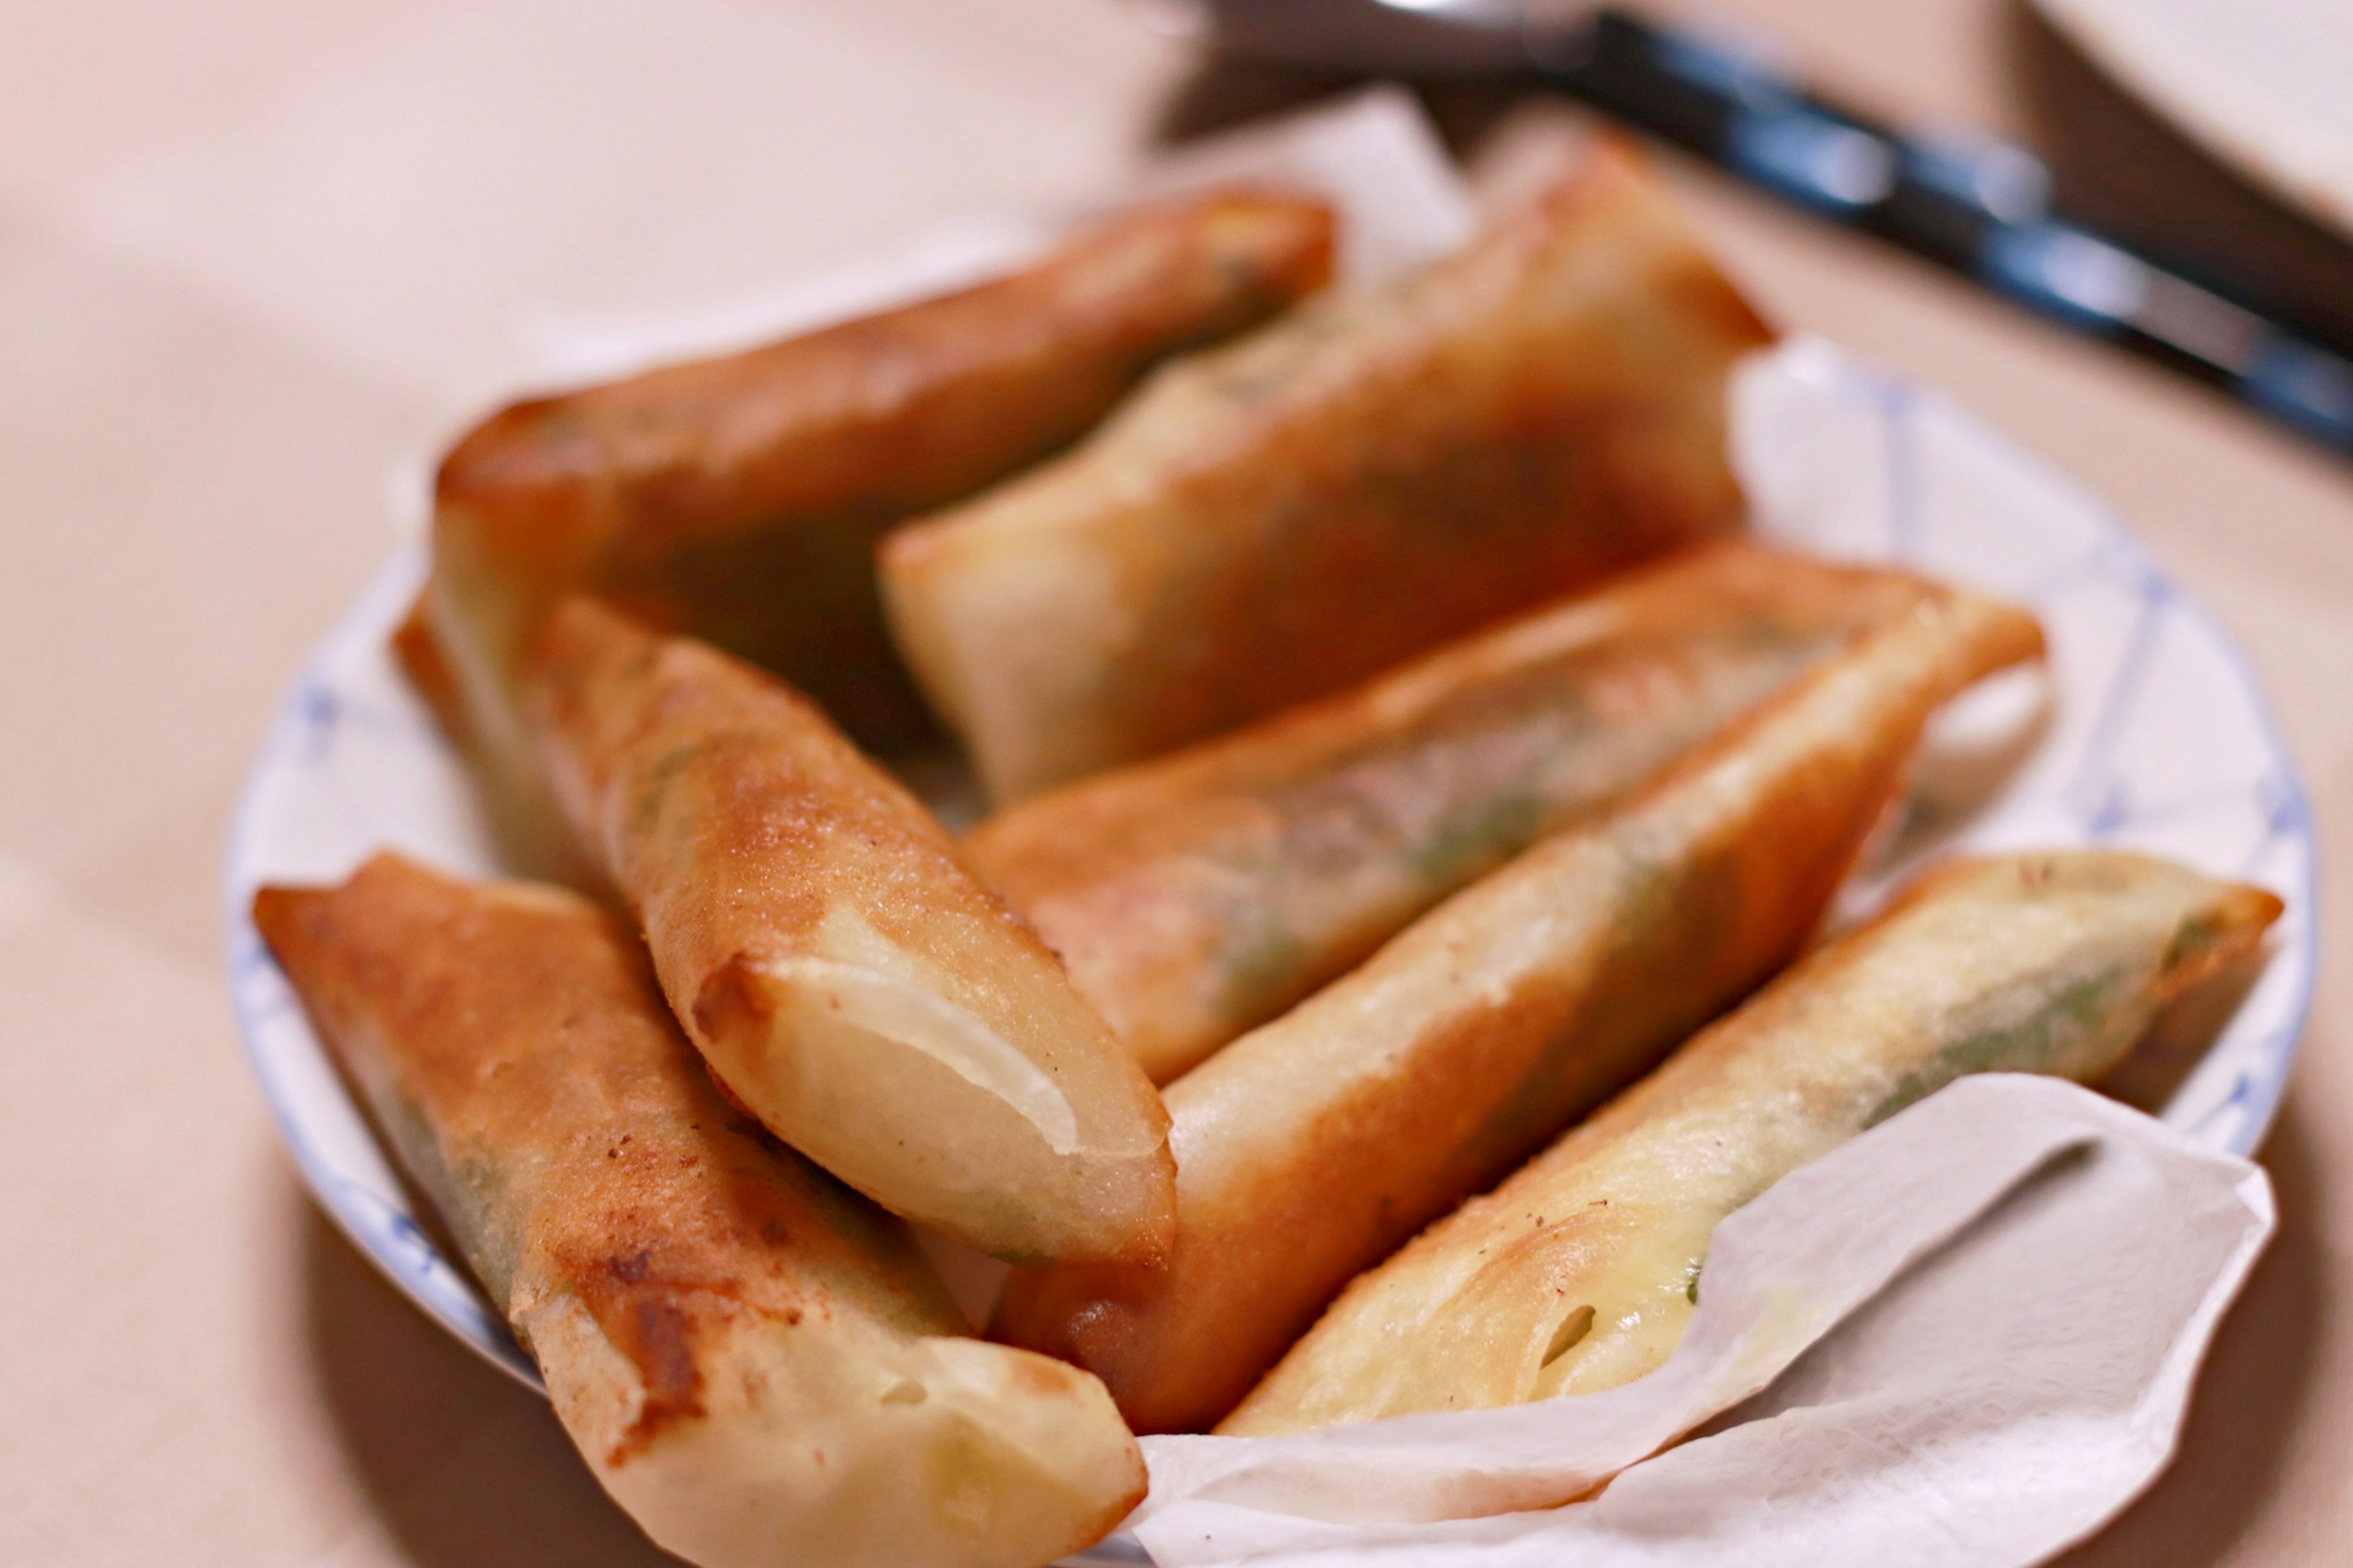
point(844, 972)
point(1579, 1273)
point(757, 1364)
point(1310, 1148)
point(1198, 895)
point(741, 497)
point(1278, 519)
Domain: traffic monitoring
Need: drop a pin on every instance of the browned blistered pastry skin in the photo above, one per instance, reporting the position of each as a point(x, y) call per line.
point(891, 412)
point(845, 972)
point(1310, 1148)
point(1579, 1273)
point(1277, 520)
point(758, 1363)
point(1197, 896)
point(741, 497)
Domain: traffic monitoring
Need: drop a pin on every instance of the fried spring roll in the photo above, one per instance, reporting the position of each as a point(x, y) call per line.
point(1579, 1273)
point(1275, 520)
point(1200, 895)
point(1308, 1149)
point(740, 498)
point(758, 1365)
point(844, 974)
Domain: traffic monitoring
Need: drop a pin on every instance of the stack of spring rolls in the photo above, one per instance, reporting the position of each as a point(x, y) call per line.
point(1377, 978)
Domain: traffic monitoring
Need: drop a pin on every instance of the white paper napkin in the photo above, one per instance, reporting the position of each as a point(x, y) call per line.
point(1979, 1321)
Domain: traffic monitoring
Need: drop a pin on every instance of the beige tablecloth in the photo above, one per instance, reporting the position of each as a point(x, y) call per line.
point(255, 255)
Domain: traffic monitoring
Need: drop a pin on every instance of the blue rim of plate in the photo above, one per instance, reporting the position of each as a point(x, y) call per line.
point(373, 1210)
point(382, 1227)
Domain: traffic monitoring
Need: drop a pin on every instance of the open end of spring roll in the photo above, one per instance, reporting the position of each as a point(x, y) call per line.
point(1275, 520)
point(843, 972)
point(1579, 1273)
point(740, 498)
point(1199, 895)
point(756, 1363)
point(1310, 1148)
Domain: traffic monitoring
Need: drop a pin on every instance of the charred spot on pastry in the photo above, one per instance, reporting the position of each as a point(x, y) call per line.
point(730, 1001)
point(661, 1347)
point(1570, 1332)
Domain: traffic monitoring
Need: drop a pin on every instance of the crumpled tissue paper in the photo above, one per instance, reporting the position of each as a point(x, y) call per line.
point(1964, 1340)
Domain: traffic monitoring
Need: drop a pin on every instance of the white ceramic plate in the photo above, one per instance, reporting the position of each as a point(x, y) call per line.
point(2267, 85)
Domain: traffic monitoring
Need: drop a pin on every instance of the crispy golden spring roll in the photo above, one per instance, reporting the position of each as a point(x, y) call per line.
point(1579, 1273)
point(1275, 520)
point(741, 497)
point(842, 970)
point(758, 1365)
point(1200, 895)
point(1308, 1149)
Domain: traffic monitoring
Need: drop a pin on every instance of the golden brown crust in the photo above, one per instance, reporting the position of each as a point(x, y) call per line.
point(1198, 895)
point(727, 801)
point(892, 412)
point(1580, 1272)
point(757, 1364)
point(1270, 522)
point(578, 1144)
point(741, 497)
point(1310, 1148)
point(840, 967)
